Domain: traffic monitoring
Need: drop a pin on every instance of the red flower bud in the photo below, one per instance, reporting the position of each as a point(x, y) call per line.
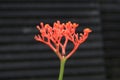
point(55, 34)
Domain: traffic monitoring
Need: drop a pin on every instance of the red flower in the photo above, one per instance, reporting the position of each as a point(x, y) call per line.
point(52, 36)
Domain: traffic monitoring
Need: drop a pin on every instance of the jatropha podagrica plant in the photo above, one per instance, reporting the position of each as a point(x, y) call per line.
point(53, 36)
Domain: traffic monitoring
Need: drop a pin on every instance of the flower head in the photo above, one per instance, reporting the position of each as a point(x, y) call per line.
point(52, 36)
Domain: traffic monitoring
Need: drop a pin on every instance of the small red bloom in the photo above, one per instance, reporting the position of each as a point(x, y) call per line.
point(52, 36)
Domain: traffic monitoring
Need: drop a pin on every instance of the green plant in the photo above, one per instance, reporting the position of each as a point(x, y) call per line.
point(52, 36)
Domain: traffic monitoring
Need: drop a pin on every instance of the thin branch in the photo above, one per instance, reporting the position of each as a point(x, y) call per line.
point(72, 52)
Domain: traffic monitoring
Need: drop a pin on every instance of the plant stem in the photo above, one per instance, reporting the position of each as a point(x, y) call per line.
point(62, 66)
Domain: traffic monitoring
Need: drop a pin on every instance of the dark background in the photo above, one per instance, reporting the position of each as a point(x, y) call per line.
point(23, 58)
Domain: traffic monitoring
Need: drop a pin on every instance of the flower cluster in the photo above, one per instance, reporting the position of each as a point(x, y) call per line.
point(52, 36)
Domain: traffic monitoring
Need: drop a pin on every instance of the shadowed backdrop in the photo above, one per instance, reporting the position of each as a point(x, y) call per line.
point(23, 58)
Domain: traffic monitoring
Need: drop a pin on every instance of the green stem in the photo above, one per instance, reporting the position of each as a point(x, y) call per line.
point(62, 66)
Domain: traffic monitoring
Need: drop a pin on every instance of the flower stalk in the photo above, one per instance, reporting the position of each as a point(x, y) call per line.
point(62, 67)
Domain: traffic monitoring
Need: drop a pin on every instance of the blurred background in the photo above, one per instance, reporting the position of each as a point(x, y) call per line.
point(23, 58)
